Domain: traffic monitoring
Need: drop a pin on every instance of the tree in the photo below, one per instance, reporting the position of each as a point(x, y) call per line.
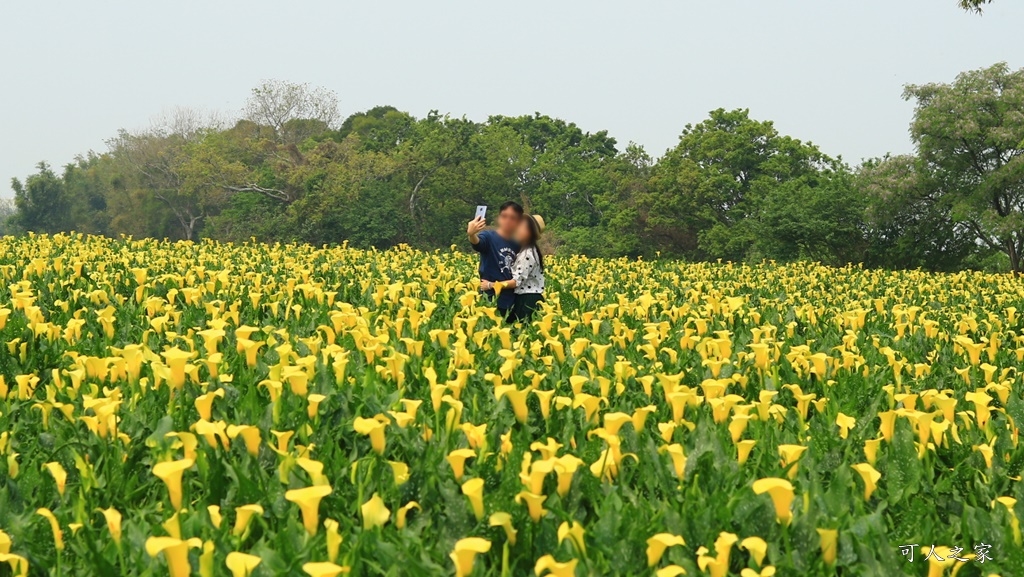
point(380, 129)
point(86, 181)
point(706, 194)
point(974, 5)
point(431, 169)
point(733, 188)
point(248, 159)
point(294, 111)
point(50, 202)
point(166, 162)
point(819, 218)
point(352, 195)
point(907, 224)
point(970, 140)
point(558, 172)
point(8, 211)
point(619, 228)
point(41, 202)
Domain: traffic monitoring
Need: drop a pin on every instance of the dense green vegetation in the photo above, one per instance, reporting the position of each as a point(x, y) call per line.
point(173, 409)
point(733, 188)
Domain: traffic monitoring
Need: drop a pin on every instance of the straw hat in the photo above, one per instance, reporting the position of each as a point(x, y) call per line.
point(540, 222)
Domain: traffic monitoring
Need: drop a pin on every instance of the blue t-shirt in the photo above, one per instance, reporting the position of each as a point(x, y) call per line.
point(496, 258)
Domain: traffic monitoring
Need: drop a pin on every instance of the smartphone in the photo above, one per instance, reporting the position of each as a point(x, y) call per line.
point(481, 211)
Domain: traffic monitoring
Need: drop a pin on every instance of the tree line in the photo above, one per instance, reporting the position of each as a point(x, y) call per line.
point(733, 188)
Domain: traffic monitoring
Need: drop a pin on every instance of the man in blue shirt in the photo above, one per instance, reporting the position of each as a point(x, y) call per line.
point(497, 249)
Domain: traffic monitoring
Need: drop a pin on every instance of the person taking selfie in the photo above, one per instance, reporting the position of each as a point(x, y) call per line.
point(498, 249)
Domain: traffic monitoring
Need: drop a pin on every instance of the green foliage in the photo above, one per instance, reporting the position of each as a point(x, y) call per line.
point(974, 5)
point(7, 217)
point(733, 188)
point(970, 141)
point(736, 183)
point(42, 202)
point(93, 324)
point(905, 228)
point(819, 220)
point(380, 129)
point(293, 111)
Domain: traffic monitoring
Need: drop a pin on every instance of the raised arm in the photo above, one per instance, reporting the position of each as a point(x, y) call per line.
point(474, 228)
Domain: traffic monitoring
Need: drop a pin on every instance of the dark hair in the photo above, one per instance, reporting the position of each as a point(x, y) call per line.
point(531, 224)
point(515, 206)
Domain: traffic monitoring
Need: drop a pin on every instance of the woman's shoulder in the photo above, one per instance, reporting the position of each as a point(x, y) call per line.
point(526, 254)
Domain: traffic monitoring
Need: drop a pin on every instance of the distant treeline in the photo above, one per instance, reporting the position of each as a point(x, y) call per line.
point(733, 188)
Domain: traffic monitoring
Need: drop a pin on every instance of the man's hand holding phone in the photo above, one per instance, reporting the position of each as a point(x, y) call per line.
point(478, 224)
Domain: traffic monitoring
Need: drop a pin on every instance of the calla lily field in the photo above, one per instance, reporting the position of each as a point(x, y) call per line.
point(179, 408)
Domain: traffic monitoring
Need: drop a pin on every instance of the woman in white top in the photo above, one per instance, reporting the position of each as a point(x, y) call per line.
point(527, 269)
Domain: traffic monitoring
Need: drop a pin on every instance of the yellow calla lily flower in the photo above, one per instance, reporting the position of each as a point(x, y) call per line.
point(373, 429)
point(504, 520)
point(324, 569)
point(113, 519)
point(473, 489)
point(403, 511)
point(457, 460)
point(790, 455)
point(757, 547)
point(374, 512)
point(243, 516)
point(547, 565)
point(534, 503)
point(465, 553)
point(176, 360)
point(657, 545)
point(308, 499)
point(250, 437)
point(870, 477)
point(845, 423)
point(743, 449)
point(170, 472)
point(829, 545)
point(175, 552)
point(58, 534)
point(781, 493)
point(334, 539)
point(59, 475)
point(241, 564)
point(18, 564)
point(574, 534)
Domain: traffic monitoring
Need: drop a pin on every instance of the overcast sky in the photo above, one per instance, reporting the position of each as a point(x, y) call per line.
point(831, 72)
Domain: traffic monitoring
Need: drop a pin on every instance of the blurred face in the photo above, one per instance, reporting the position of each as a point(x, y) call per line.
point(508, 221)
point(522, 235)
